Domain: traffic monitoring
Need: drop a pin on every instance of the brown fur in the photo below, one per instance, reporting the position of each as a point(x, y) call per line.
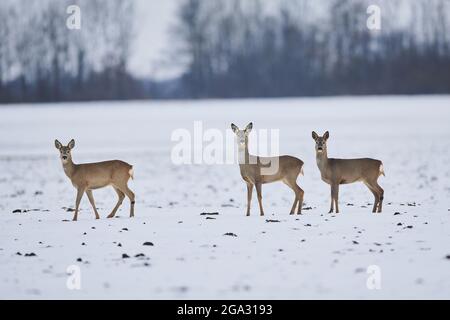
point(92, 176)
point(289, 168)
point(345, 171)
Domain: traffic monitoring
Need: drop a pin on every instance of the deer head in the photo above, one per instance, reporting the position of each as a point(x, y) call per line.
point(64, 151)
point(242, 135)
point(321, 142)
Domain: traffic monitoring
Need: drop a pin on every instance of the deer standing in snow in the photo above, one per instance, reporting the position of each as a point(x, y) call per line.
point(345, 171)
point(91, 176)
point(252, 171)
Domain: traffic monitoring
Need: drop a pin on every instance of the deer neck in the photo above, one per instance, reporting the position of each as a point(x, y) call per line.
point(69, 168)
point(322, 159)
point(244, 155)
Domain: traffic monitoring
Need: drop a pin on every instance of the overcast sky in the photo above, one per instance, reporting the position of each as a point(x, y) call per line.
point(153, 19)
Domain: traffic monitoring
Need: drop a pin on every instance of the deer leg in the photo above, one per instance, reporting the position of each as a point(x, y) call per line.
point(332, 198)
point(119, 203)
point(380, 205)
point(80, 193)
point(299, 193)
point(249, 197)
point(131, 196)
point(336, 198)
point(294, 206)
point(381, 196)
point(375, 194)
point(92, 201)
point(259, 192)
point(300, 200)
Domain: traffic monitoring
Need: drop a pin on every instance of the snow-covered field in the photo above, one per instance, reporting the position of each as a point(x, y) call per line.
point(315, 255)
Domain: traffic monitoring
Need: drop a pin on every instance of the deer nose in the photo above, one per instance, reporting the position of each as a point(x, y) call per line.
point(64, 157)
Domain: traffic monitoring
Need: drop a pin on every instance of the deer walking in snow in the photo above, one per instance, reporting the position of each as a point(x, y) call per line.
point(345, 171)
point(91, 176)
point(252, 171)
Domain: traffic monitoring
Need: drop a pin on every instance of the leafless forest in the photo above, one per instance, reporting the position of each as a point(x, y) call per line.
point(227, 48)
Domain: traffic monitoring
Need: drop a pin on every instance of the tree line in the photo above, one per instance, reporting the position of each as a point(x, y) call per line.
point(41, 59)
point(241, 48)
point(227, 49)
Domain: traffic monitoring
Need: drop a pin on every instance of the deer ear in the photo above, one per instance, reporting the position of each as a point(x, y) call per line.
point(326, 136)
point(249, 127)
point(58, 144)
point(71, 144)
point(314, 135)
point(234, 128)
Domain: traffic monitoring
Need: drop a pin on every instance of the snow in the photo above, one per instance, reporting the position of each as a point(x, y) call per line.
point(315, 255)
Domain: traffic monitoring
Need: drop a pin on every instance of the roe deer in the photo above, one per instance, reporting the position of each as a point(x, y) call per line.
point(345, 171)
point(91, 176)
point(252, 171)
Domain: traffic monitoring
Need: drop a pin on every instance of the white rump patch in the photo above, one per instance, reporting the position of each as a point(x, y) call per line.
point(131, 172)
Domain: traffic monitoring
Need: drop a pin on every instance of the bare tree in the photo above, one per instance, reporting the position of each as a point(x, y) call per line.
point(228, 48)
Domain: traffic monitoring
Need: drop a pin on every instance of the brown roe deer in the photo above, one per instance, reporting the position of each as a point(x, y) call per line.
point(257, 171)
point(91, 176)
point(345, 171)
